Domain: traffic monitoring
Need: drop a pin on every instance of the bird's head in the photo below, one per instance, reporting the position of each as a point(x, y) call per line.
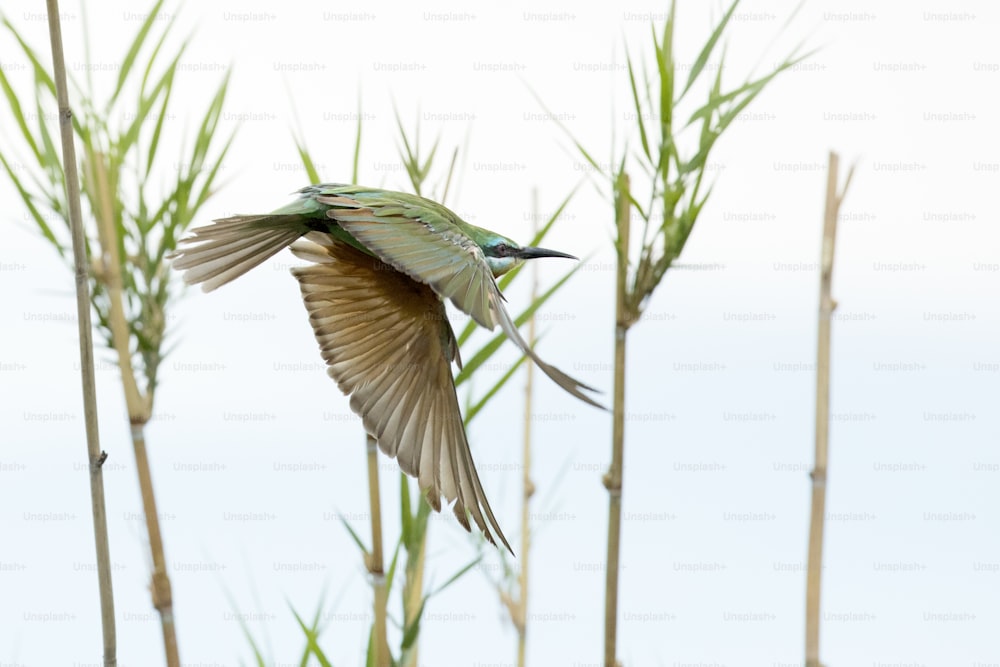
point(502, 254)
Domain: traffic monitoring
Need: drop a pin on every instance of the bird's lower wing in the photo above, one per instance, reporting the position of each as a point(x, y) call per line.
point(388, 344)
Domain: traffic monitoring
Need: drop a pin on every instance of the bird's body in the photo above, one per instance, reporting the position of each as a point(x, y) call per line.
point(383, 264)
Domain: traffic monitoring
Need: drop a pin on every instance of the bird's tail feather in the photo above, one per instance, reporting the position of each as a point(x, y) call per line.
point(573, 386)
point(226, 249)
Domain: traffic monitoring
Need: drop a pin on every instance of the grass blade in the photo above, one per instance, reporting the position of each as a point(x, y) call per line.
point(706, 51)
point(472, 410)
point(39, 219)
point(357, 146)
point(311, 172)
point(354, 535)
point(133, 52)
point(638, 107)
point(490, 348)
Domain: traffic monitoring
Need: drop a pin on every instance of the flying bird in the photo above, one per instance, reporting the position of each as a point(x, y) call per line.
point(382, 265)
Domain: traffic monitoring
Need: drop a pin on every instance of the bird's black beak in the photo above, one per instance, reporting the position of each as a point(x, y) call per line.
point(534, 253)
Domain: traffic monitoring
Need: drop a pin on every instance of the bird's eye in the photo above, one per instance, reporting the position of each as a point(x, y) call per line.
point(501, 250)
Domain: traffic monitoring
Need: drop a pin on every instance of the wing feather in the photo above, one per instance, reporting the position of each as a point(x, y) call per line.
point(388, 344)
point(426, 244)
point(226, 249)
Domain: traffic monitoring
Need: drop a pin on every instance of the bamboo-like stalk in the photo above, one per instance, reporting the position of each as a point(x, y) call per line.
point(375, 560)
point(613, 478)
point(527, 486)
point(826, 307)
point(413, 591)
point(138, 405)
point(160, 582)
point(94, 454)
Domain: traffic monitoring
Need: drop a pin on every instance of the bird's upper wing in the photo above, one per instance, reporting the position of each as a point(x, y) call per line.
point(420, 239)
point(388, 344)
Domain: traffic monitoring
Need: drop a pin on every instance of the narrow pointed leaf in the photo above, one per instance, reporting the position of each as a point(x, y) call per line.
point(312, 645)
point(474, 409)
point(404, 510)
point(311, 172)
point(583, 151)
point(706, 51)
point(133, 51)
point(391, 573)
point(357, 147)
point(411, 632)
point(41, 71)
point(489, 349)
point(18, 112)
point(507, 278)
point(458, 575)
point(638, 107)
point(354, 535)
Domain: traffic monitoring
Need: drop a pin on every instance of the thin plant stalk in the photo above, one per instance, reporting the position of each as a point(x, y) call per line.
point(413, 584)
point(131, 291)
point(94, 454)
point(527, 485)
point(673, 179)
point(613, 478)
point(827, 305)
point(516, 603)
point(375, 560)
point(160, 582)
point(139, 406)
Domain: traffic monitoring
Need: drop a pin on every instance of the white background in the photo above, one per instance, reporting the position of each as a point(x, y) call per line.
point(720, 375)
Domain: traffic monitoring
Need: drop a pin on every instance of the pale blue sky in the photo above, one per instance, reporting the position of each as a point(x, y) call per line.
point(721, 408)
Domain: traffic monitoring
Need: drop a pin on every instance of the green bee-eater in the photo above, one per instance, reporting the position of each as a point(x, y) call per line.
point(383, 264)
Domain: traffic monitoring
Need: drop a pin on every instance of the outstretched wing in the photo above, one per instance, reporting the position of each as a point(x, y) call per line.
point(388, 344)
point(420, 238)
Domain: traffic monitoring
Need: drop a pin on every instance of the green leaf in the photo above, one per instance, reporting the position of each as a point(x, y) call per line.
point(145, 105)
point(410, 161)
point(706, 109)
point(370, 654)
point(41, 71)
point(706, 51)
point(258, 655)
point(391, 573)
point(583, 151)
point(411, 632)
point(312, 637)
point(155, 140)
point(133, 52)
point(458, 575)
point(354, 535)
point(425, 170)
point(489, 349)
point(311, 172)
point(51, 156)
point(638, 107)
point(451, 171)
point(210, 175)
point(206, 130)
point(404, 510)
point(473, 410)
point(153, 57)
point(39, 219)
point(666, 70)
point(357, 147)
point(508, 277)
point(18, 112)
